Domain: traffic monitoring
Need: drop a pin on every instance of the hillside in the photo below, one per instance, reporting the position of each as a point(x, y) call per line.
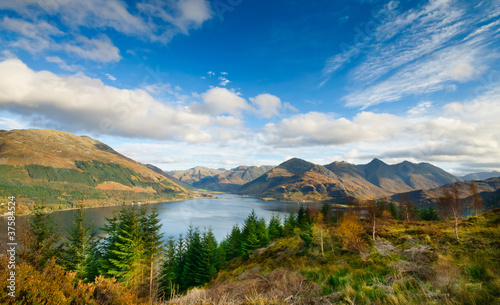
point(195, 174)
point(63, 169)
point(416, 262)
point(296, 180)
point(170, 177)
point(481, 176)
point(487, 189)
point(233, 179)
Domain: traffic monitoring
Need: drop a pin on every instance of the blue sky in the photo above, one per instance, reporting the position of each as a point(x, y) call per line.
point(222, 83)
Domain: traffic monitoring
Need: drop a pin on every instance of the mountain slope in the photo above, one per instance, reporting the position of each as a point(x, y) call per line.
point(63, 169)
point(195, 174)
point(170, 177)
point(488, 189)
point(232, 179)
point(481, 175)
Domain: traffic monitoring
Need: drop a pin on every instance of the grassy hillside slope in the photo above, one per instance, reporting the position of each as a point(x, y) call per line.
point(63, 169)
point(408, 263)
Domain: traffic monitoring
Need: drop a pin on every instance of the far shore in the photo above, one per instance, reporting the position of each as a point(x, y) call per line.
point(75, 207)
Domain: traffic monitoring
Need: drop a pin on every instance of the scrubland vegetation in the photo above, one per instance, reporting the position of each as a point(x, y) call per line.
point(373, 253)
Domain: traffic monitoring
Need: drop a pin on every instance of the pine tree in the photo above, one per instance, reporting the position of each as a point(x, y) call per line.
point(326, 210)
point(233, 243)
point(193, 273)
point(290, 223)
point(43, 236)
point(124, 248)
point(80, 247)
point(211, 252)
point(275, 227)
point(168, 271)
point(154, 247)
point(301, 217)
point(393, 209)
point(262, 232)
point(250, 237)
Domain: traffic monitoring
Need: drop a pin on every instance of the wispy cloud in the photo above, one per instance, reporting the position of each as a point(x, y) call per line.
point(62, 64)
point(149, 20)
point(418, 51)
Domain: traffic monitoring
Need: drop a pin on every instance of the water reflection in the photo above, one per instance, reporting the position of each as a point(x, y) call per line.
point(218, 214)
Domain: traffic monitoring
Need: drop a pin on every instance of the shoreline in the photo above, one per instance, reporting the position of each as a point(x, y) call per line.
point(120, 204)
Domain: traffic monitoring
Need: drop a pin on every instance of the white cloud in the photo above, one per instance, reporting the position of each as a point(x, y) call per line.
point(456, 63)
point(315, 128)
point(221, 100)
point(267, 105)
point(182, 14)
point(421, 108)
point(154, 21)
point(223, 81)
point(9, 123)
point(417, 51)
point(33, 37)
point(110, 77)
point(99, 49)
point(224, 73)
point(62, 64)
point(77, 103)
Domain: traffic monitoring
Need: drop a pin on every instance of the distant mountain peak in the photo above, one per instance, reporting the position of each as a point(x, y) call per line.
point(296, 165)
point(377, 161)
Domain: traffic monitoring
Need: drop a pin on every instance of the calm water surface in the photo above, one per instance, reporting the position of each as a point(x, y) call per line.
point(218, 214)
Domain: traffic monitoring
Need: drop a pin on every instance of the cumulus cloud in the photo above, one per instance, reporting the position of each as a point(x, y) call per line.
point(77, 103)
point(222, 101)
point(267, 105)
point(315, 128)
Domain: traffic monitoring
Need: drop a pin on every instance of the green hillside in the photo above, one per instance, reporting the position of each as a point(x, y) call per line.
point(62, 170)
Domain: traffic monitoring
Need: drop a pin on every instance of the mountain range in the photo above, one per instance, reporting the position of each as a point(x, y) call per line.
point(220, 179)
point(481, 176)
point(297, 179)
point(62, 168)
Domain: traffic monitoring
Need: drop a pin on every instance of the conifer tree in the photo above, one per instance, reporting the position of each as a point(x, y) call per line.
point(301, 217)
point(124, 247)
point(326, 210)
point(211, 253)
point(168, 271)
point(290, 223)
point(180, 256)
point(80, 247)
point(193, 273)
point(393, 209)
point(275, 227)
point(262, 232)
point(43, 236)
point(153, 248)
point(233, 243)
